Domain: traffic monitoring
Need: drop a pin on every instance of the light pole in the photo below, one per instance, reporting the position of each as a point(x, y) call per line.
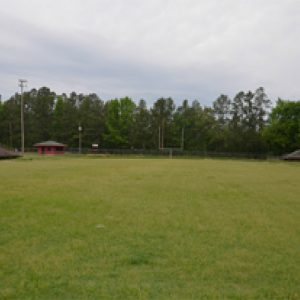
point(22, 84)
point(158, 137)
point(182, 138)
point(79, 140)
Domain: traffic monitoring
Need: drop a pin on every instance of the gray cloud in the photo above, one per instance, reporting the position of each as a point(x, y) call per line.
point(180, 48)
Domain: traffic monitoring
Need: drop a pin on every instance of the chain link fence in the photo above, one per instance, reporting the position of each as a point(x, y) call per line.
point(169, 152)
point(166, 152)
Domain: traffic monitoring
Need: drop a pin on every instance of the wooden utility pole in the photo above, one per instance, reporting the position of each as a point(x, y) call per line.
point(159, 137)
point(22, 84)
point(79, 140)
point(182, 138)
point(162, 135)
point(10, 134)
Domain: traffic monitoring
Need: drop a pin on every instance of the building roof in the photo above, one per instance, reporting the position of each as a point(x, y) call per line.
point(7, 154)
point(49, 143)
point(292, 156)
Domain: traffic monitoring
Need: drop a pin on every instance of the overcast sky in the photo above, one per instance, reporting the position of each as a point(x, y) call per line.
point(194, 49)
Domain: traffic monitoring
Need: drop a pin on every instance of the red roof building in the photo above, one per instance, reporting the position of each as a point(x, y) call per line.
point(50, 147)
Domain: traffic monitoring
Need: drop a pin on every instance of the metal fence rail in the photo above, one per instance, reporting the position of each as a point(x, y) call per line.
point(167, 152)
point(170, 152)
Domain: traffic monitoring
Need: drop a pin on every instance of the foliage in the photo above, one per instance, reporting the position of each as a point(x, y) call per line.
point(10, 122)
point(283, 132)
point(65, 121)
point(41, 110)
point(91, 118)
point(229, 125)
point(161, 121)
point(119, 122)
point(141, 129)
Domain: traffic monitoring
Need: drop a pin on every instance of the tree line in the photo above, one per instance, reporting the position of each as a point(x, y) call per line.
point(245, 124)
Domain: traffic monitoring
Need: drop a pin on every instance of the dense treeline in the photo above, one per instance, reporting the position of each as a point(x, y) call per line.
point(245, 123)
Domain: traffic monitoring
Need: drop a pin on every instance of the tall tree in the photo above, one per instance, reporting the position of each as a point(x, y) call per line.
point(182, 124)
point(119, 123)
point(10, 122)
point(91, 118)
point(65, 121)
point(262, 105)
point(221, 108)
point(42, 105)
point(222, 113)
point(248, 117)
point(283, 132)
point(141, 128)
point(162, 117)
point(203, 124)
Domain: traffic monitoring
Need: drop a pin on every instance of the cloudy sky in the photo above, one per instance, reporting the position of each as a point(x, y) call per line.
point(194, 49)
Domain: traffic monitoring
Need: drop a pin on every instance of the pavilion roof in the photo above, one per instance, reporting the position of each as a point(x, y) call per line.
point(49, 143)
point(292, 156)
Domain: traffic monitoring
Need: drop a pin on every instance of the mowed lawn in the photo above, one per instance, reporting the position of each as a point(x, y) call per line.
point(84, 228)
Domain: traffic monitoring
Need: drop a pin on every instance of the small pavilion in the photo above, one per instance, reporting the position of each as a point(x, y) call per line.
point(50, 147)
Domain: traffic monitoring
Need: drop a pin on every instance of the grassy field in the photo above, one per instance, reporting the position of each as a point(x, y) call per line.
point(83, 228)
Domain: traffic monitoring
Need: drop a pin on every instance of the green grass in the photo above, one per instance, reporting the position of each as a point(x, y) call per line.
point(80, 228)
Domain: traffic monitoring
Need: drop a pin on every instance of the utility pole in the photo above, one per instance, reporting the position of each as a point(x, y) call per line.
point(158, 137)
point(22, 84)
point(10, 134)
point(79, 141)
point(162, 135)
point(182, 138)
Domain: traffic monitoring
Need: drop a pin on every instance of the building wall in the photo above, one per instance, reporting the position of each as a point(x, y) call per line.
point(50, 150)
